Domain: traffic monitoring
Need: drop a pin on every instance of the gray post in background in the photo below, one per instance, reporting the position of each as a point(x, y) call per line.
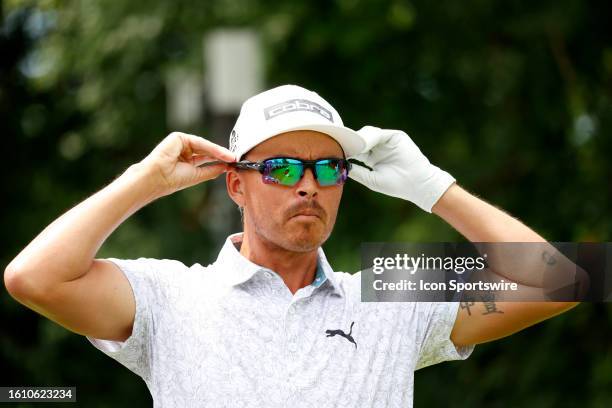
point(234, 72)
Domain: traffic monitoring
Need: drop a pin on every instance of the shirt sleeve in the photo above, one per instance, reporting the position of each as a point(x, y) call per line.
point(436, 323)
point(147, 278)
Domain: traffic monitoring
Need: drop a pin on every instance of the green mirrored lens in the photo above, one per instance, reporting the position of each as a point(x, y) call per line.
point(283, 171)
point(328, 172)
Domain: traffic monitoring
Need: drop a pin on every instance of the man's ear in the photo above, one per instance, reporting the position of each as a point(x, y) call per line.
point(235, 187)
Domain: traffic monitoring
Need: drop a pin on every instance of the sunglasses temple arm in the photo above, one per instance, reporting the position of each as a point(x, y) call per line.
point(240, 165)
point(212, 163)
point(358, 163)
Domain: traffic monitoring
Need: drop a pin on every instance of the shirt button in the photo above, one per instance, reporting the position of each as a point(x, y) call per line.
point(268, 274)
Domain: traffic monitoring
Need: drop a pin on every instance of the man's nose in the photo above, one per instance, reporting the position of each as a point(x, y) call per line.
point(308, 185)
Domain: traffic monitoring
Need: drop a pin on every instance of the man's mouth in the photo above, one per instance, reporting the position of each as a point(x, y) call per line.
point(306, 215)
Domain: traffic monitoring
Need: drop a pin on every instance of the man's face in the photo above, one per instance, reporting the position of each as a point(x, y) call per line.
point(296, 218)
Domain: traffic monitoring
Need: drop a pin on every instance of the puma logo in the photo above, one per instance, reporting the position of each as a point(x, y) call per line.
point(349, 337)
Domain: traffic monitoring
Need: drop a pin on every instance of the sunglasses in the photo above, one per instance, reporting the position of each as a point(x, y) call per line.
point(288, 171)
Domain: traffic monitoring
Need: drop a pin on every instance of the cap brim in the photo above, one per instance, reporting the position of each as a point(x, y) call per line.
point(352, 143)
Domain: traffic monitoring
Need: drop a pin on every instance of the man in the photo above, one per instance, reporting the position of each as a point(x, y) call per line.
point(269, 323)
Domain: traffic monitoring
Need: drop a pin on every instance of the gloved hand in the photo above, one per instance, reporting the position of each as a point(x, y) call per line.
point(399, 169)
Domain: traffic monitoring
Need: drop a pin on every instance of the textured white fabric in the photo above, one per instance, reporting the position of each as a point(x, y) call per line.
point(231, 334)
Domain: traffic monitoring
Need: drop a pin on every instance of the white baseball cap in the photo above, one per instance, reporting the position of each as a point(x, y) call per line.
point(287, 108)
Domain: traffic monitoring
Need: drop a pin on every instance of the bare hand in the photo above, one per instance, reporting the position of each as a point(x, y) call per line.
point(174, 162)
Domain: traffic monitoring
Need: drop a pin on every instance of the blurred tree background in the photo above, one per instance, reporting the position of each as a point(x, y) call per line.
point(512, 98)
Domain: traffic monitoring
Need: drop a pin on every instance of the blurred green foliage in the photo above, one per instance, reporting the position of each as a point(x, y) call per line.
point(512, 98)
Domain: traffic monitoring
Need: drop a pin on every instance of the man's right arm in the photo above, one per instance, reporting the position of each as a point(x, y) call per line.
point(57, 276)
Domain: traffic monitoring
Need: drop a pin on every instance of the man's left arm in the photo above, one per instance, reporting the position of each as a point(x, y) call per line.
point(479, 221)
point(396, 167)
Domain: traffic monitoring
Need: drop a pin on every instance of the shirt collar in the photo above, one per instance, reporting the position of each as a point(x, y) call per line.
point(239, 269)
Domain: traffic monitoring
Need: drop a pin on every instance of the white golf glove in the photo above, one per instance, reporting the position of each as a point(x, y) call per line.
point(399, 169)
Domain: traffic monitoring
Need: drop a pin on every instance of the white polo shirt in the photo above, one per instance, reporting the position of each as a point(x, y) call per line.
point(231, 334)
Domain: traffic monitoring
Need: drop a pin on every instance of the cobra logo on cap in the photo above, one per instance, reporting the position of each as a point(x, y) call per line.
point(294, 105)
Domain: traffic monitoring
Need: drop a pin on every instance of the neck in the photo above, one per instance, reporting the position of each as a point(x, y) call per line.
point(296, 268)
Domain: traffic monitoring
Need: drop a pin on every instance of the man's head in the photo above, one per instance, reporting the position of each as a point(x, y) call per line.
point(297, 218)
point(289, 121)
